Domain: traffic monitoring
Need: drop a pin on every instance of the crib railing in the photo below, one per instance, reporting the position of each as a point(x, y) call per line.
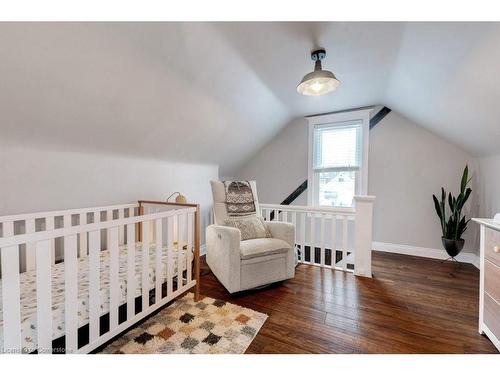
point(48, 221)
point(175, 231)
point(337, 238)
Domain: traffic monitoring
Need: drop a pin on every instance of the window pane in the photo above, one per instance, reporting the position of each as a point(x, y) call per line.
point(337, 145)
point(337, 189)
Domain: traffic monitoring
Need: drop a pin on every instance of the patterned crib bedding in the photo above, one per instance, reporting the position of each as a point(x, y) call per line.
point(28, 291)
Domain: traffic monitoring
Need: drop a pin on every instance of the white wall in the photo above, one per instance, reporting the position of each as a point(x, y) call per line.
point(41, 180)
point(281, 165)
point(407, 164)
point(489, 185)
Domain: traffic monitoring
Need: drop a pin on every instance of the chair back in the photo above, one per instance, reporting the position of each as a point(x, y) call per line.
point(220, 207)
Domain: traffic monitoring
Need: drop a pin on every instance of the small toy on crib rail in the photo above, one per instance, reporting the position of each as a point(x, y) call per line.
point(180, 199)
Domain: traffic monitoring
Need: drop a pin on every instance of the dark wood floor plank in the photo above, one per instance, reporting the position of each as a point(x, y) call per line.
point(411, 305)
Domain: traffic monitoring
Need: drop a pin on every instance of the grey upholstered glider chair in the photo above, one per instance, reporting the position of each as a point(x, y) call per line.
point(241, 265)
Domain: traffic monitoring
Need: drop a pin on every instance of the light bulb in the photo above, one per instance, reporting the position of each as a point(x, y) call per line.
point(316, 86)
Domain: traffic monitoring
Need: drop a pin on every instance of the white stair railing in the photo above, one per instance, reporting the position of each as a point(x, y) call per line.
point(336, 238)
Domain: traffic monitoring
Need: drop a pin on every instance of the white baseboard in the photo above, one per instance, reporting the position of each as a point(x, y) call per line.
point(425, 252)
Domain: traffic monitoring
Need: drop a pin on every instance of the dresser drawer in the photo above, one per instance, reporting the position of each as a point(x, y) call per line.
point(492, 279)
point(492, 242)
point(491, 315)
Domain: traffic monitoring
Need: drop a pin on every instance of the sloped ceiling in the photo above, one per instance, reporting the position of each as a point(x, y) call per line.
point(217, 92)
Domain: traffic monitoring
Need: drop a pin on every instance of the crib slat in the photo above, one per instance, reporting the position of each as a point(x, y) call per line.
point(109, 217)
point(334, 240)
point(189, 251)
point(180, 243)
point(67, 221)
point(94, 282)
point(11, 293)
point(145, 265)
point(114, 285)
point(83, 237)
point(30, 247)
point(322, 240)
point(130, 271)
point(268, 215)
point(121, 229)
point(43, 297)
point(170, 251)
point(158, 252)
point(71, 293)
point(49, 225)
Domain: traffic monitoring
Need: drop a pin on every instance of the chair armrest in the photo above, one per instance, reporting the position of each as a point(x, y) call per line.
point(223, 235)
point(223, 254)
point(283, 231)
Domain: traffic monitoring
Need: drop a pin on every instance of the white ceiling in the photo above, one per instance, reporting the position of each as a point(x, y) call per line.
point(217, 92)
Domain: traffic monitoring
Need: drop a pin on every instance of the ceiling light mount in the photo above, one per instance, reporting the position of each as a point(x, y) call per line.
point(318, 54)
point(318, 82)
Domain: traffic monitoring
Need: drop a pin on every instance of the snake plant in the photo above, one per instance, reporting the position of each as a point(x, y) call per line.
point(455, 225)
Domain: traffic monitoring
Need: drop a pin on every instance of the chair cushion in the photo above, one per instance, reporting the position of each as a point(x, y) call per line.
point(259, 247)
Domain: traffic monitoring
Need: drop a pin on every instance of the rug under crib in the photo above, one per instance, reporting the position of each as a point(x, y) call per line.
point(186, 326)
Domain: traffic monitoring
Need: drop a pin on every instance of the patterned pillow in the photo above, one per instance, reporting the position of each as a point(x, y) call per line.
point(250, 227)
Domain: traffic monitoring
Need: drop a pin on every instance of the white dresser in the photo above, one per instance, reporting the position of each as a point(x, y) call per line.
point(489, 284)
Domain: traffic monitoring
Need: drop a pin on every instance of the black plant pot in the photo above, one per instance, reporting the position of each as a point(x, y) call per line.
point(453, 247)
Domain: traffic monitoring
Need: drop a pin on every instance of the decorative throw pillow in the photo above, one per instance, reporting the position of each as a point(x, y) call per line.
point(250, 227)
point(239, 198)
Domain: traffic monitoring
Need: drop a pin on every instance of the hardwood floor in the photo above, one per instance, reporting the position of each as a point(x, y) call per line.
point(412, 305)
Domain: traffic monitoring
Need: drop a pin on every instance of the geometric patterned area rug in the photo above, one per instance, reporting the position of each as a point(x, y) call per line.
point(204, 327)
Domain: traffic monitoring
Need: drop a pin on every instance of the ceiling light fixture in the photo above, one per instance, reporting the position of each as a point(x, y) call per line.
point(318, 82)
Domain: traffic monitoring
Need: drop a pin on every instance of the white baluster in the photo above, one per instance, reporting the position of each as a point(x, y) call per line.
point(322, 240)
point(334, 240)
point(312, 245)
point(294, 222)
point(303, 236)
point(345, 240)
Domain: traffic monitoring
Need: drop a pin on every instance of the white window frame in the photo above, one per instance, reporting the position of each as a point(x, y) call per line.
point(358, 115)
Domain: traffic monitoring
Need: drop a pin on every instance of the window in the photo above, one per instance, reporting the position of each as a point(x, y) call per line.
point(338, 150)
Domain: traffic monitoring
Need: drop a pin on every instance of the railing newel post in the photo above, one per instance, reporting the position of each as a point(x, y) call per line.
point(363, 235)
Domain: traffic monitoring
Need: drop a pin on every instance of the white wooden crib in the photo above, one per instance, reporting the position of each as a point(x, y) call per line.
point(72, 280)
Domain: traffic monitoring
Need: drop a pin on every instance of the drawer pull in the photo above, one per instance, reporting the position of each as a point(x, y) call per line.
point(496, 249)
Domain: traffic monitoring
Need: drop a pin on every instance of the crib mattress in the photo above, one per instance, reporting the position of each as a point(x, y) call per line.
point(28, 291)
